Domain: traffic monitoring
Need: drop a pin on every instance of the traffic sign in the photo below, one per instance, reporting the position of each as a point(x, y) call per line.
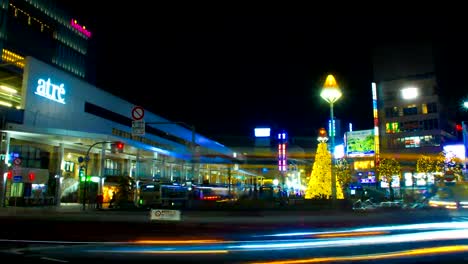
point(138, 127)
point(17, 161)
point(17, 178)
point(165, 215)
point(138, 113)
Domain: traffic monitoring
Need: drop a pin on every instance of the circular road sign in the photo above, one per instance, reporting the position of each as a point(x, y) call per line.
point(17, 161)
point(138, 113)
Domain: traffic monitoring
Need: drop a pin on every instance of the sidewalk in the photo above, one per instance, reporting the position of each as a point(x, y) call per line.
point(74, 212)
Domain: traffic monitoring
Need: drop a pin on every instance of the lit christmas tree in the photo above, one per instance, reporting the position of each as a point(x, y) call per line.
point(320, 179)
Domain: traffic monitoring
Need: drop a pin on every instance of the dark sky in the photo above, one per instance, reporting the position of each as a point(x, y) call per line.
point(227, 71)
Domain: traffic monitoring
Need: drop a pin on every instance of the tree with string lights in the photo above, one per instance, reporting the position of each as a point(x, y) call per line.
point(320, 185)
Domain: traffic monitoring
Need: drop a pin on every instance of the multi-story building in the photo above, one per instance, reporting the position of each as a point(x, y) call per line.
point(412, 117)
point(40, 29)
point(64, 128)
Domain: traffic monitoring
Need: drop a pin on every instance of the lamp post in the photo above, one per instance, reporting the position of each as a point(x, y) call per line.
point(331, 93)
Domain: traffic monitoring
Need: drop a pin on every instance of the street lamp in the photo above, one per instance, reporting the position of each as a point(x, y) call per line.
point(331, 93)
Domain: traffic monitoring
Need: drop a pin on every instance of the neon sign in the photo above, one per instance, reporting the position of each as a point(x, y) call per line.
point(50, 91)
point(80, 28)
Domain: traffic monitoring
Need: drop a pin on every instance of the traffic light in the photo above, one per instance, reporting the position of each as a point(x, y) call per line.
point(31, 176)
point(459, 131)
point(117, 147)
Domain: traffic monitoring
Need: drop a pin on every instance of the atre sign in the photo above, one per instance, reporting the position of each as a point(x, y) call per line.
point(54, 92)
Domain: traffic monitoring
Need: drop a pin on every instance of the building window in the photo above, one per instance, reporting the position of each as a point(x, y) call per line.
point(392, 112)
point(112, 168)
point(410, 110)
point(417, 141)
point(410, 126)
point(429, 124)
point(412, 142)
point(424, 109)
point(31, 157)
point(392, 128)
point(432, 108)
point(68, 166)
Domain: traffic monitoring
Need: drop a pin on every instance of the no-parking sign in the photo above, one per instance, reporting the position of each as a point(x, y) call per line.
point(138, 113)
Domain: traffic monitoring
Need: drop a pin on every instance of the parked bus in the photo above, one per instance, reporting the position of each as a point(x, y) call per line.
point(210, 193)
point(155, 195)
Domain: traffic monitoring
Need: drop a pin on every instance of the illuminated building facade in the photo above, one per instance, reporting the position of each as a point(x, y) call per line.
point(41, 29)
point(412, 117)
point(62, 118)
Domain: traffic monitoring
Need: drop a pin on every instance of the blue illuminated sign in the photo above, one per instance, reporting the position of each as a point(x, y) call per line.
point(51, 91)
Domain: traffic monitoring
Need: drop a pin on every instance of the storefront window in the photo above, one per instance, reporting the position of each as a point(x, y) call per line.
point(69, 166)
point(157, 169)
point(31, 157)
point(17, 189)
point(113, 168)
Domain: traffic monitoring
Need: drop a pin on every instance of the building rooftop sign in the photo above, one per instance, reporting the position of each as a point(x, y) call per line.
point(80, 28)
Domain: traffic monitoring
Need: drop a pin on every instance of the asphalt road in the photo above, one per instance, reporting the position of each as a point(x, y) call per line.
point(417, 243)
point(411, 237)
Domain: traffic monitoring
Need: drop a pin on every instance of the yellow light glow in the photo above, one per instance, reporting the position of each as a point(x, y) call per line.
point(330, 92)
point(8, 89)
point(351, 234)
point(8, 56)
point(5, 104)
point(108, 191)
point(322, 132)
point(403, 253)
point(158, 242)
point(330, 82)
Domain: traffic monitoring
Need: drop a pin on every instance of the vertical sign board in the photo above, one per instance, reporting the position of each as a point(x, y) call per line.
point(138, 124)
point(138, 128)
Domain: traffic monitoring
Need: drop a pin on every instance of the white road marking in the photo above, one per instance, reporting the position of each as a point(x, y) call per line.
point(54, 259)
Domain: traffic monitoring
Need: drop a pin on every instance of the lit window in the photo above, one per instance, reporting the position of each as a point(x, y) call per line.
point(409, 93)
point(424, 109)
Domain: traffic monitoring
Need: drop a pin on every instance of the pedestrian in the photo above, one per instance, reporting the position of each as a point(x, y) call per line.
point(99, 201)
point(112, 200)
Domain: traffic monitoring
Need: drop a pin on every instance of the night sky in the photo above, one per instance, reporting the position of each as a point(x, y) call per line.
point(227, 71)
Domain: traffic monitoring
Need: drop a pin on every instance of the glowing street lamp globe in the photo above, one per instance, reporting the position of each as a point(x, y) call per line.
point(331, 91)
point(322, 135)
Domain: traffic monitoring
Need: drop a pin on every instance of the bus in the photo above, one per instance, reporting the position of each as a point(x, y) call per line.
point(156, 195)
point(210, 193)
